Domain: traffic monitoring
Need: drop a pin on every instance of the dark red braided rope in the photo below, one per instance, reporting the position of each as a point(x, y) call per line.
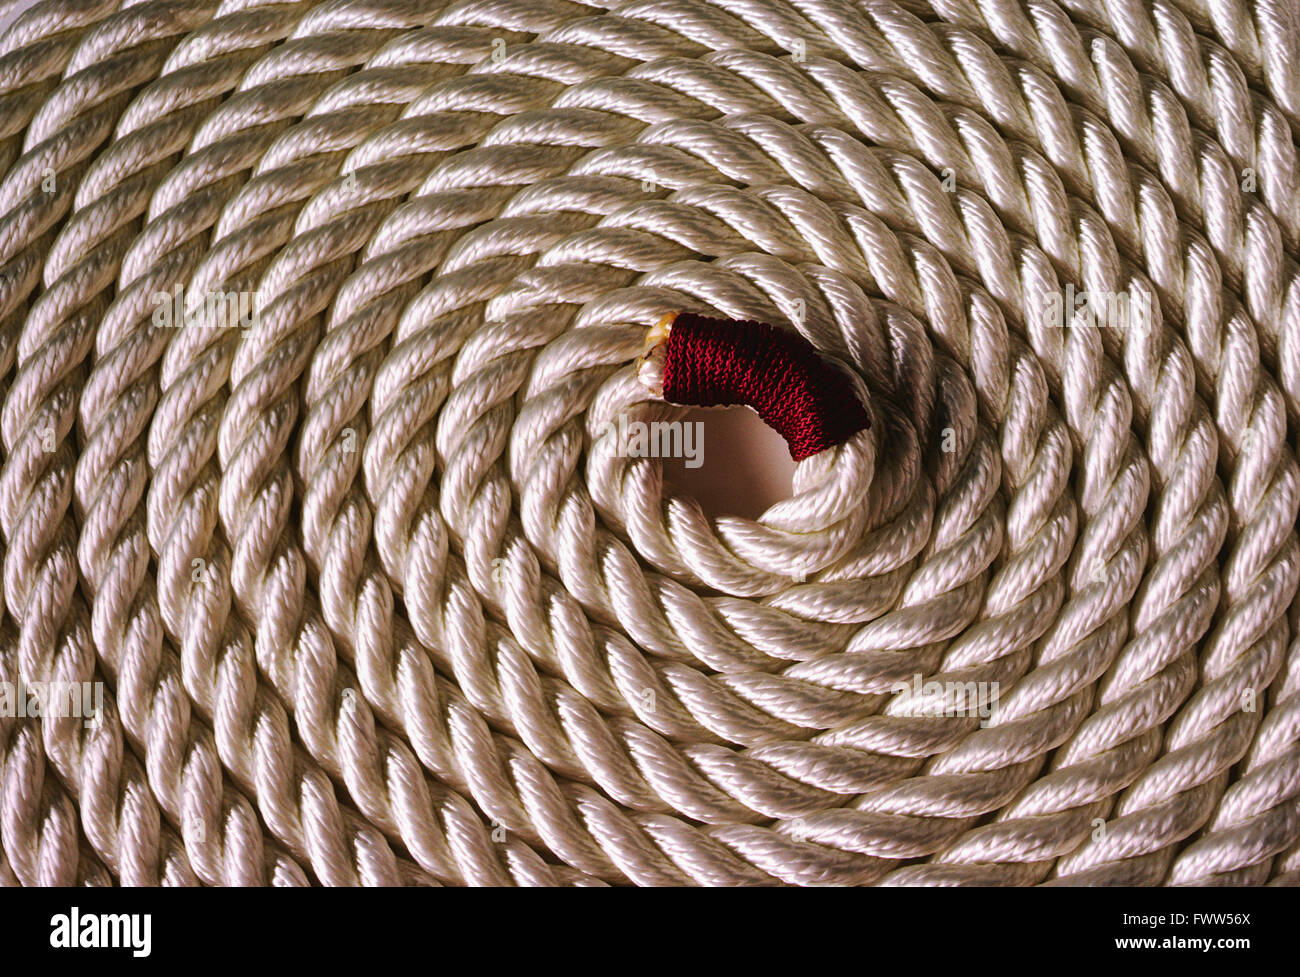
point(718, 362)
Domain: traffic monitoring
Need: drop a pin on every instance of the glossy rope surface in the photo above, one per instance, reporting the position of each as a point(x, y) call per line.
point(314, 319)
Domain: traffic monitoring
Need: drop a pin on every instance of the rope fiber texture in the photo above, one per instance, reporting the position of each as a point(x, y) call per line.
point(375, 597)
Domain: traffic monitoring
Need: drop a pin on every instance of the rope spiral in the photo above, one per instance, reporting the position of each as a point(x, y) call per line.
point(371, 590)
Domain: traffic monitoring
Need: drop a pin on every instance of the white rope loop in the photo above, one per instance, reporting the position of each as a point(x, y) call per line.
point(376, 595)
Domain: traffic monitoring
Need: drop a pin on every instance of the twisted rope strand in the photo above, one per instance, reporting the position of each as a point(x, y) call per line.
point(377, 594)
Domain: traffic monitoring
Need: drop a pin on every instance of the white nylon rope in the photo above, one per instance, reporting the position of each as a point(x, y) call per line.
point(375, 596)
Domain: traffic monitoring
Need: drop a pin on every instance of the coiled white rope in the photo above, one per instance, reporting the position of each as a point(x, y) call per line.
point(375, 596)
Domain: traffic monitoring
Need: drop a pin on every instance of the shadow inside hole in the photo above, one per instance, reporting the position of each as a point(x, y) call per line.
point(741, 466)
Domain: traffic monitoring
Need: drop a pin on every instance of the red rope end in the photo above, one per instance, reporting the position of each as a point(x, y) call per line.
point(719, 362)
